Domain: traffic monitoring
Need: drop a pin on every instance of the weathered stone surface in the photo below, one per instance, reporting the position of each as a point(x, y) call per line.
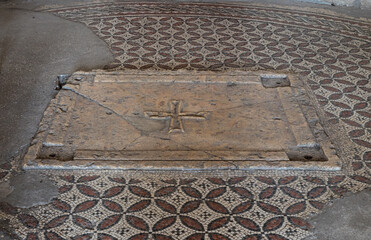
point(181, 120)
point(346, 218)
point(29, 190)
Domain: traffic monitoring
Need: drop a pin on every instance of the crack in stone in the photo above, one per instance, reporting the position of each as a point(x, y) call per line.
point(101, 105)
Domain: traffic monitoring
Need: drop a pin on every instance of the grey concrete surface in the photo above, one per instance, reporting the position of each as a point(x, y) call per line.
point(347, 218)
point(34, 49)
point(30, 189)
point(5, 190)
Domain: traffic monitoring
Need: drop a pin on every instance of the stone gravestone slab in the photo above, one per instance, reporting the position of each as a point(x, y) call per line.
point(185, 120)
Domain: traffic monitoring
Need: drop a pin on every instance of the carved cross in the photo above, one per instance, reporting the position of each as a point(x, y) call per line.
point(176, 116)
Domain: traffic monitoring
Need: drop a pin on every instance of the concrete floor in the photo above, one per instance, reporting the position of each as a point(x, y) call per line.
point(347, 218)
point(36, 47)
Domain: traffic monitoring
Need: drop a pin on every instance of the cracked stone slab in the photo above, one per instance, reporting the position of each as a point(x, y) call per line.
point(182, 120)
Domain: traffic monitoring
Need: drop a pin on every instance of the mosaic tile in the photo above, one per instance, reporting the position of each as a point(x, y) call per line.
point(331, 53)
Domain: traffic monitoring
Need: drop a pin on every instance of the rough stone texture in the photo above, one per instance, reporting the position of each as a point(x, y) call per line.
point(182, 120)
point(346, 218)
point(34, 49)
point(360, 4)
point(351, 3)
point(5, 189)
point(29, 190)
point(364, 4)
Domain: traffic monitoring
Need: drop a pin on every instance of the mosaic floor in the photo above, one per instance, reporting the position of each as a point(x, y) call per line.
point(332, 52)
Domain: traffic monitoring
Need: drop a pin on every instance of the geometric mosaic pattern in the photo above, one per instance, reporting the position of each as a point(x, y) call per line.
point(101, 207)
point(331, 53)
